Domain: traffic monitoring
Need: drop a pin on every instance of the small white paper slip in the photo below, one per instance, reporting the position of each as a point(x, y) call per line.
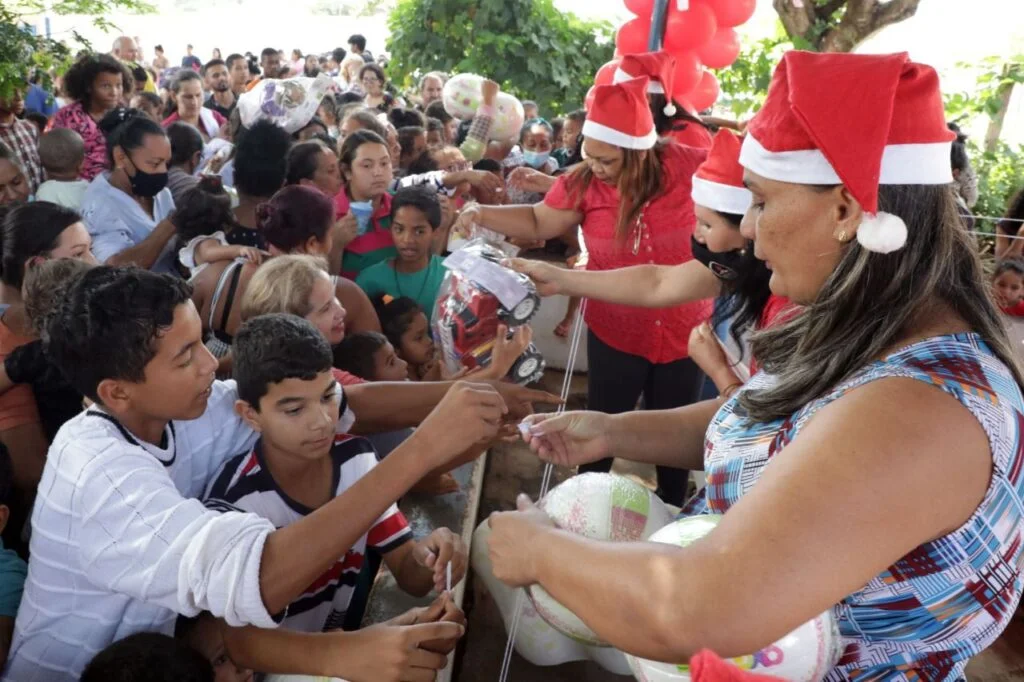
point(448, 577)
point(524, 429)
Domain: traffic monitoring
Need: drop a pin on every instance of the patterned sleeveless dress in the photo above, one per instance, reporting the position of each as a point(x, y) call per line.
point(931, 611)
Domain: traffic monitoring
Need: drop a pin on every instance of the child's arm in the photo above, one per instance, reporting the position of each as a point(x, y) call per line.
point(389, 652)
point(23, 366)
point(506, 352)
point(211, 251)
point(421, 565)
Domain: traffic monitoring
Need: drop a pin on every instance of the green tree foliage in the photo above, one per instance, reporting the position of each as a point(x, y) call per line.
point(23, 53)
point(528, 46)
point(744, 85)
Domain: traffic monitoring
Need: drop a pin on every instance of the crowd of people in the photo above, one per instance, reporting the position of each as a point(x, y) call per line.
point(219, 373)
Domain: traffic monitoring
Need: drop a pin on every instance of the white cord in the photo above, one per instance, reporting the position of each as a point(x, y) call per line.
point(545, 483)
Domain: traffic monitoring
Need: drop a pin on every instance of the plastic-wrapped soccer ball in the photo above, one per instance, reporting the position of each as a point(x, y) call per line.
point(805, 655)
point(602, 507)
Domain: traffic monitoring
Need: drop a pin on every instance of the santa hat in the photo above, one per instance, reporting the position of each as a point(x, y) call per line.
point(718, 183)
point(660, 67)
point(856, 120)
point(620, 116)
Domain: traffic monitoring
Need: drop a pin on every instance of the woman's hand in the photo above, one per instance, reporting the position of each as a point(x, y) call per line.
point(569, 439)
point(530, 180)
point(705, 350)
point(546, 278)
point(345, 230)
point(514, 541)
point(469, 216)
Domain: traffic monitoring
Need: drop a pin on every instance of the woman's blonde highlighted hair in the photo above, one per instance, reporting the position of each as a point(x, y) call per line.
point(283, 285)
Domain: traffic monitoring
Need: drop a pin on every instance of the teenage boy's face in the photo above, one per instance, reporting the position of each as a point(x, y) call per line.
point(179, 378)
point(412, 234)
point(297, 416)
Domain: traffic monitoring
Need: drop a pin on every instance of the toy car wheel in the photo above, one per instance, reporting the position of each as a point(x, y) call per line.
point(523, 312)
point(526, 367)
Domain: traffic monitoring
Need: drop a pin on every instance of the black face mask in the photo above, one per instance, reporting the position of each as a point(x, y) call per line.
point(725, 265)
point(147, 184)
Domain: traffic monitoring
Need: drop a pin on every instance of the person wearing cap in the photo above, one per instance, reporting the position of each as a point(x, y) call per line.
point(632, 198)
point(875, 467)
point(724, 264)
point(673, 118)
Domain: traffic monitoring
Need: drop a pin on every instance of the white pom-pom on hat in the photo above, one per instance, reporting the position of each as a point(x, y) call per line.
point(670, 109)
point(882, 233)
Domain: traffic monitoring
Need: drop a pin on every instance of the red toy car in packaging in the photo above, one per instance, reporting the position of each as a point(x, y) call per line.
point(478, 294)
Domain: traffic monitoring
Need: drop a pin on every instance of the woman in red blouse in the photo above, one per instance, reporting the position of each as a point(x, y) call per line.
point(98, 84)
point(632, 198)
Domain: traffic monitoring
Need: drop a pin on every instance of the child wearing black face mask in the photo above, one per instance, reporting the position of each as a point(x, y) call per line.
point(127, 210)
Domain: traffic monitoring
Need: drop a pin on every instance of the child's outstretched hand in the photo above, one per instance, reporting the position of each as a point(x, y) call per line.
point(435, 552)
point(507, 349)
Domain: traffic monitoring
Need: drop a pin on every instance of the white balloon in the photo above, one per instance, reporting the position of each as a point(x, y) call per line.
point(600, 507)
point(462, 96)
point(805, 655)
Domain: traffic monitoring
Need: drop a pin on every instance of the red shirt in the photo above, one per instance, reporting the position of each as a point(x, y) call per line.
point(659, 335)
point(1015, 311)
point(692, 135)
point(373, 247)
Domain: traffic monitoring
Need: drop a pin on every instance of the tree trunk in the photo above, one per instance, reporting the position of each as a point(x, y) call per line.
point(995, 123)
point(839, 25)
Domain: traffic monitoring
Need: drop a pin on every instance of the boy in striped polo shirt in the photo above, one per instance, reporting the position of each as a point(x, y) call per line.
point(289, 396)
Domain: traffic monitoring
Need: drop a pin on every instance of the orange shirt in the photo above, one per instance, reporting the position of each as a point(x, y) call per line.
point(18, 405)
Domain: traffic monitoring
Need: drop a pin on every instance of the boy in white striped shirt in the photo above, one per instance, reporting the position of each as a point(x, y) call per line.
point(120, 542)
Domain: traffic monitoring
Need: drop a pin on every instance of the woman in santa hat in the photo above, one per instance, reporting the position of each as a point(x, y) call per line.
point(674, 120)
point(875, 468)
point(632, 199)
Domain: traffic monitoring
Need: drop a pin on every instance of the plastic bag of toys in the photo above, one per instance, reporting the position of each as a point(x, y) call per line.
point(478, 294)
point(290, 103)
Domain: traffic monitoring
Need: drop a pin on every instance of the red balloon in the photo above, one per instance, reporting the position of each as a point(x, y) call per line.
point(722, 51)
point(589, 100)
point(704, 95)
point(607, 72)
point(690, 29)
point(687, 75)
point(632, 37)
point(641, 8)
point(732, 13)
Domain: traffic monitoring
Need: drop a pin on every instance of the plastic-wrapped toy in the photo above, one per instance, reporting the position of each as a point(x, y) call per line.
point(477, 295)
point(290, 103)
point(463, 95)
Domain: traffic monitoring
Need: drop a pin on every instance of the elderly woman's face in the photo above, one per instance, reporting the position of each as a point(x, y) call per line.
point(797, 231)
point(13, 184)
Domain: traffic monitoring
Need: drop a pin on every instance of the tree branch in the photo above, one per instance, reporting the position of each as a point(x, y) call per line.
point(828, 9)
point(798, 21)
point(894, 12)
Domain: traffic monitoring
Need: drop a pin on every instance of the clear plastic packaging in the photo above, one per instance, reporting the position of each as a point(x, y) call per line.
point(478, 294)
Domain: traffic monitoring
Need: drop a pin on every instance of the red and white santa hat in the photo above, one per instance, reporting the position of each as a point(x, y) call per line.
point(620, 116)
point(856, 120)
point(718, 182)
point(659, 67)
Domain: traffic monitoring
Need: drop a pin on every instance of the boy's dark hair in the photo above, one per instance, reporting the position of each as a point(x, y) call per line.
point(212, 63)
point(261, 159)
point(109, 322)
point(355, 353)
point(303, 160)
point(205, 209)
point(185, 142)
point(396, 316)
point(406, 118)
point(127, 128)
point(47, 285)
point(424, 163)
point(338, 54)
point(578, 116)
point(315, 121)
point(39, 119)
point(958, 149)
point(434, 124)
point(152, 98)
point(1010, 265)
point(367, 120)
point(419, 197)
point(437, 110)
point(349, 98)
point(6, 476)
point(271, 348)
point(407, 137)
point(61, 150)
point(357, 40)
point(268, 52)
point(148, 656)
point(489, 165)
point(232, 58)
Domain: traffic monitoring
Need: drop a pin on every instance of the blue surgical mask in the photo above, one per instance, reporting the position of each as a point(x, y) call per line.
point(536, 159)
